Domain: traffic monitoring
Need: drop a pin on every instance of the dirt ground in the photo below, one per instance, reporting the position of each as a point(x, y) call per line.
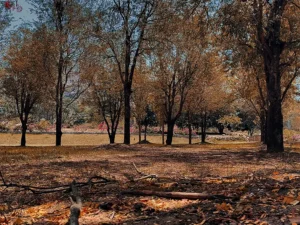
point(246, 185)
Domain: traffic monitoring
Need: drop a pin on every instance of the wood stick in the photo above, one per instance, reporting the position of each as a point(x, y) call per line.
point(44, 190)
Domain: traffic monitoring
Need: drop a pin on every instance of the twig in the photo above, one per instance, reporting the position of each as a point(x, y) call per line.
point(137, 170)
point(112, 215)
point(144, 176)
point(152, 176)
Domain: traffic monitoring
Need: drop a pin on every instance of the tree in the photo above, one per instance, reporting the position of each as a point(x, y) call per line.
point(271, 28)
point(24, 80)
point(107, 94)
point(65, 19)
point(208, 93)
point(249, 84)
point(175, 74)
point(140, 99)
point(125, 31)
point(149, 120)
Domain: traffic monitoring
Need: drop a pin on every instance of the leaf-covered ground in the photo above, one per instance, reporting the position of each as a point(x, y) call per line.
point(262, 188)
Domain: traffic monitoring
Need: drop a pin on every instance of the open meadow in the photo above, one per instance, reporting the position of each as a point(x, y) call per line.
point(238, 183)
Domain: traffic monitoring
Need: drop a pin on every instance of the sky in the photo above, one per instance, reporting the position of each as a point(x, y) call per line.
point(23, 16)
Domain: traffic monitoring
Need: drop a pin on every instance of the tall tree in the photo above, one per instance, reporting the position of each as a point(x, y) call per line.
point(107, 95)
point(141, 98)
point(24, 82)
point(175, 75)
point(65, 19)
point(125, 29)
point(271, 28)
point(208, 93)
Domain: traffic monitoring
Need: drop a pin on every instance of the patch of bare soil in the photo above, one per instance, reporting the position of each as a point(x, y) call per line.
point(243, 185)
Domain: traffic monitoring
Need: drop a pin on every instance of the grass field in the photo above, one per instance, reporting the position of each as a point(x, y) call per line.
point(12, 139)
point(264, 186)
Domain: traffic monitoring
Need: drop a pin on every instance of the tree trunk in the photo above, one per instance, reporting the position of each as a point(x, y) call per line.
point(273, 47)
point(190, 134)
point(274, 112)
point(112, 137)
point(170, 132)
point(263, 126)
point(59, 100)
point(127, 93)
point(140, 133)
point(221, 128)
point(145, 134)
point(190, 128)
point(24, 129)
point(203, 128)
point(163, 134)
point(275, 128)
point(58, 127)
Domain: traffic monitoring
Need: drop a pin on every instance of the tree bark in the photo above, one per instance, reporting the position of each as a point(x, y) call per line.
point(274, 111)
point(140, 133)
point(24, 129)
point(275, 128)
point(163, 134)
point(190, 128)
point(221, 128)
point(145, 134)
point(263, 126)
point(203, 128)
point(170, 132)
point(127, 112)
point(58, 127)
point(272, 48)
point(112, 138)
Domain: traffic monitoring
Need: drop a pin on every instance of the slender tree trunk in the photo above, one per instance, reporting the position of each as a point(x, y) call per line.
point(170, 132)
point(190, 134)
point(145, 134)
point(163, 134)
point(190, 128)
point(59, 100)
point(266, 128)
point(263, 126)
point(203, 128)
point(24, 129)
point(140, 133)
point(58, 127)
point(127, 113)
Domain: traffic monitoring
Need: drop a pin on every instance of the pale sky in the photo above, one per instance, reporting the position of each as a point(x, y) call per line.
point(24, 16)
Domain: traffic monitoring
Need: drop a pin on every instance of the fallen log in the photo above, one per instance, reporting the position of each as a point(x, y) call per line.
point(176, 195)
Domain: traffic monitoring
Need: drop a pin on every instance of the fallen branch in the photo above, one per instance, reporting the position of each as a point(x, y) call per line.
point(43, 190)
point(76, 205)
point(175, 195)
point(151, 176)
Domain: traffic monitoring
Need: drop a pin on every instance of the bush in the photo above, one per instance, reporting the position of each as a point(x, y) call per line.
point(43, 125)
